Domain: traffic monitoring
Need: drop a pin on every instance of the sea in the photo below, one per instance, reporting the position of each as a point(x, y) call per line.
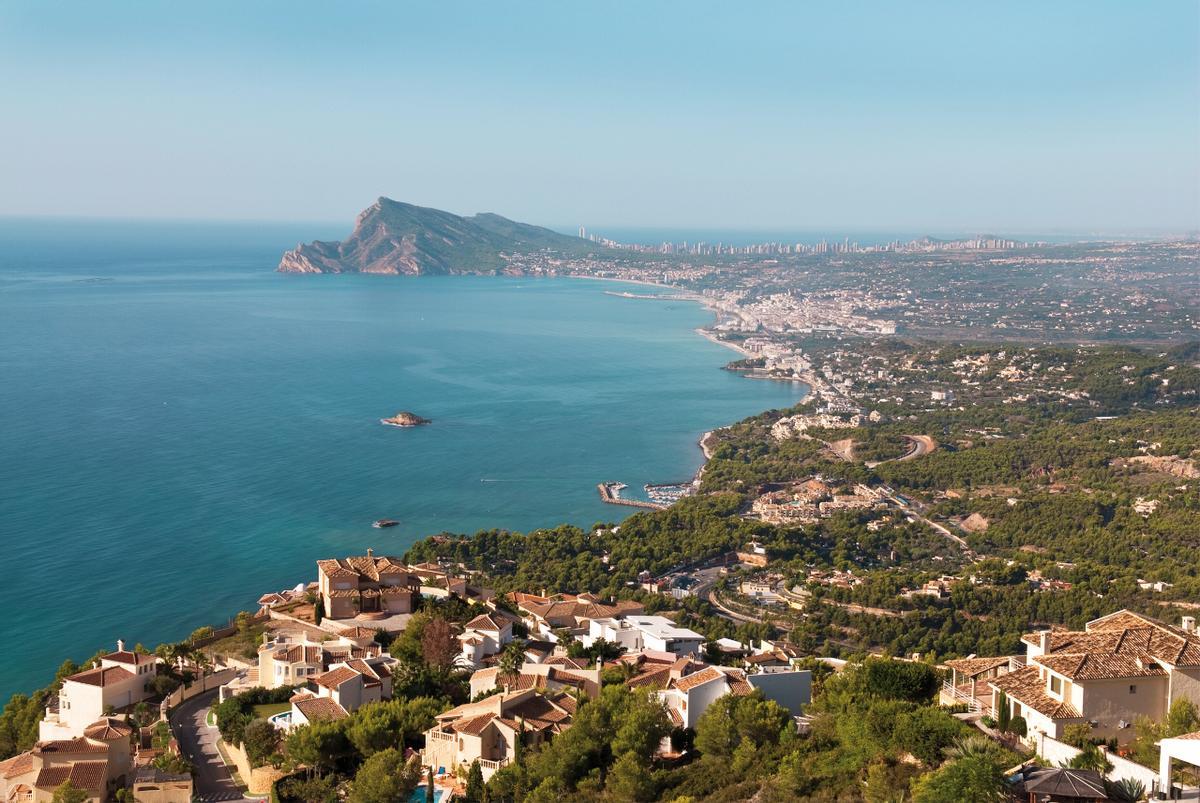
point(182, 429)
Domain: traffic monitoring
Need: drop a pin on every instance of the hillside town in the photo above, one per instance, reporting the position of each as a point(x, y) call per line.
point(529, 662)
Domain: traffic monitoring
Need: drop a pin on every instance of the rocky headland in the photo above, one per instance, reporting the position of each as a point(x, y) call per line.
point(391, 237)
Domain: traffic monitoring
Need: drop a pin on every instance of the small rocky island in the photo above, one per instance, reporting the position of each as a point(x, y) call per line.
point(404, 419)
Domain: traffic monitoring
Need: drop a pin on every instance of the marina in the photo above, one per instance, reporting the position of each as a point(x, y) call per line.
point(610, 493)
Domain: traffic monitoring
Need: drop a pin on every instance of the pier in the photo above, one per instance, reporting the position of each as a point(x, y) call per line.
point(610, 492)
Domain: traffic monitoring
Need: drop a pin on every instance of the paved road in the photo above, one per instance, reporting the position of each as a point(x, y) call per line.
point(199, 744)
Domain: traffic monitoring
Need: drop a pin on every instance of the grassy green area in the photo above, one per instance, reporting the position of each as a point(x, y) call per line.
point(270, 709)
point(242, 644)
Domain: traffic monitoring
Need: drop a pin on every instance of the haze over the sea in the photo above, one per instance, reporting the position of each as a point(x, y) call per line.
point(184, 429)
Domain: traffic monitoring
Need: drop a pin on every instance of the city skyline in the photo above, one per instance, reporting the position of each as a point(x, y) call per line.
point(1073, 117)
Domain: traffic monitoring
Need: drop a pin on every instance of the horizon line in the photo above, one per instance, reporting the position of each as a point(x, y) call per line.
point(776, 229)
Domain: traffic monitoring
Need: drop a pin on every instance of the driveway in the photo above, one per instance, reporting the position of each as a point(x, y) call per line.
point(198, 742)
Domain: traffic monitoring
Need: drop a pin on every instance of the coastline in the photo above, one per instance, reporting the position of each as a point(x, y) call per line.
point(706, 443)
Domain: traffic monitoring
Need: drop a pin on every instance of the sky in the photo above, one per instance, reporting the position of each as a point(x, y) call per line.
point(948, 116)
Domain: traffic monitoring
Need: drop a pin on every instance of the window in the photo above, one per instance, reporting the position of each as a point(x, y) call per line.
point(1056, 685)
point(1133, 688)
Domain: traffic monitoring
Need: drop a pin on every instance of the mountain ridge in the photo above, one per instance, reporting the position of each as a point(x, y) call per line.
point(397, 238)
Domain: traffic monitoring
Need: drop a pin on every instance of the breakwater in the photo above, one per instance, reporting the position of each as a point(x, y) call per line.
point(610, 493)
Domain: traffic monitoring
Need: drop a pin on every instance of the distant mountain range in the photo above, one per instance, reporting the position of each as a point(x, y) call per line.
point(391, 237)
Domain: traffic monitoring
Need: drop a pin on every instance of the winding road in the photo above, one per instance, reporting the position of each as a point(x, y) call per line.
point(198, 743)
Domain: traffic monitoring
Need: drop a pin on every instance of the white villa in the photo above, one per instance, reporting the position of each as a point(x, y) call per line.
point(292, 659)
point(1118, 668)
point(483, 636)
point(487, 731)
point(118, 680)
point(637, 633)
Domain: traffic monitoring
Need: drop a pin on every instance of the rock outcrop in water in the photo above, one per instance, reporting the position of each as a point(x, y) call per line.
point(404, 419)
point(391, 237)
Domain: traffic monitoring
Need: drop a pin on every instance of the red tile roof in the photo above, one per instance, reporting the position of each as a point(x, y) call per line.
point(484, 621)
point(320, 708)
point(107, 729)
point(102, 677)
point(972, 667)
point(706, 675)
point(17, 765)
point(1100, 666)
point(1026, 686)
point(130, 657)
point(71, 746)
point(336, 677)
point(89, 775)
point(473, 726)
point(738, 683)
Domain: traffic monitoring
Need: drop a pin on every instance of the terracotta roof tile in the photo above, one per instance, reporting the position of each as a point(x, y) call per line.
point(336, 677)
point(89, 775)
point(129, 657)
point(971, 667)
point(77, 745)
point(1099, 666)
point(706, 675)
point(320, 708)
point(473, 726)
point(738, 683)
point(102, 677)
point(484, 621)
point(658, 677)
point(17, 765)
point(107, 729)
point(1027, 687)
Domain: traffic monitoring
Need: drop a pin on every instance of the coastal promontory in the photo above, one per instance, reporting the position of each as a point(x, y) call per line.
point(391, 237)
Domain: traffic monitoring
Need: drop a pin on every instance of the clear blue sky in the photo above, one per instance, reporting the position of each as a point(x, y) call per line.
point(1028, 116)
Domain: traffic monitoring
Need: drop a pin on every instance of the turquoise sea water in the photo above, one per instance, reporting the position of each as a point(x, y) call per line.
point(182, 429)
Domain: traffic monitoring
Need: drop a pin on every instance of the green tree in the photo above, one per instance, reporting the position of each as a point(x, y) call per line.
point(1182, 717)
point(385, 777)
point(317, 789)
point(1003, 713)
point(373, 728)
point(977, 778)
point(475, 787)
point(732, 720)
point(259, 738)
point(926, 732)
point(630, 779)
point(201, 633)
point(69, 793)
point(510, 662)
point(319, 745)
point(1090, 757)
point(899, 680)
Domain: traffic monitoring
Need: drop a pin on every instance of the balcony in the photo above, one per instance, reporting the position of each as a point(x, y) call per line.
point(977, 700)
point(493, 765)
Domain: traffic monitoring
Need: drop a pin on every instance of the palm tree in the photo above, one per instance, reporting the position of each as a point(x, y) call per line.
point(973, 745)
point(510, 662)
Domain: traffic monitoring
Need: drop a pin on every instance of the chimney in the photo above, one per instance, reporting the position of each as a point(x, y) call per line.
point(1188, 623)
point(1044, 641)
point(370, 552)
point(120, 645)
